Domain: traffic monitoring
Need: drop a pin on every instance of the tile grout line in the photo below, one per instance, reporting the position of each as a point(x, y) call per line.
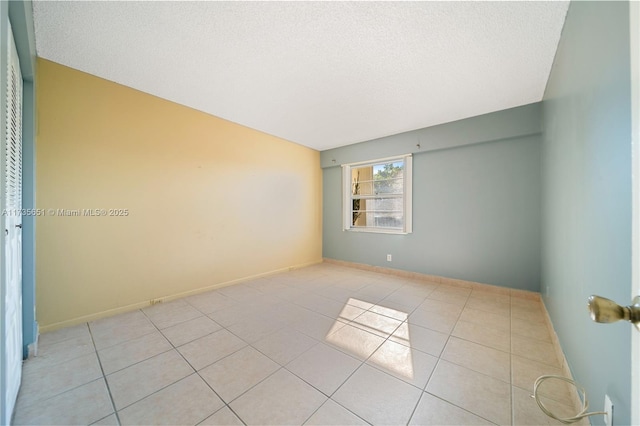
point(424, 390)
point(192, 367)
point(104, 377)
point(461, 408)
point(440, 359)
point(247, 344)
point(195, 371)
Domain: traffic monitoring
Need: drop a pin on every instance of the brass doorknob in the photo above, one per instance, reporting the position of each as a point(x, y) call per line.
point(606, 311)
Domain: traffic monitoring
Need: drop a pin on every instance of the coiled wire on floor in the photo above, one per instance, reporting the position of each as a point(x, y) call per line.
point(566, 420)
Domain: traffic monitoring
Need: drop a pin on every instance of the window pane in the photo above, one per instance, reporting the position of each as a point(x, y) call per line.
point(385, 204)
point(358, 218)
point(387, 220)
point(388, 186)
point(371, 219)
point(377, 212)
point(388, 177)
point(362, 181)
point(362, 188)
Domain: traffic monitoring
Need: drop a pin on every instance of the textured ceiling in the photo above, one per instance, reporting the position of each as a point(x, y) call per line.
point(322, 74)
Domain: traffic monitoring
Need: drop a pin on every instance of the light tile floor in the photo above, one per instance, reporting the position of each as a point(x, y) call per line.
point(323, 345)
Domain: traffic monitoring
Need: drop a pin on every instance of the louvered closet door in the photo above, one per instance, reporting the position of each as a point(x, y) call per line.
point(13, 232)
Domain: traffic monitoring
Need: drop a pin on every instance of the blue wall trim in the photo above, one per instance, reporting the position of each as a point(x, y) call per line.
point(29, 323)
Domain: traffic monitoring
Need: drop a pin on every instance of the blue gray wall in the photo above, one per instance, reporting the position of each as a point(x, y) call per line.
point(476, 201)
point(586, 159)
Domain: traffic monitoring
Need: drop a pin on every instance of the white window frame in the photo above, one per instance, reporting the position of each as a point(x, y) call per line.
point(347, 200)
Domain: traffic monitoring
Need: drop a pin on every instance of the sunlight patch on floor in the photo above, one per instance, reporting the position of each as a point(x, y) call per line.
point(378, 323)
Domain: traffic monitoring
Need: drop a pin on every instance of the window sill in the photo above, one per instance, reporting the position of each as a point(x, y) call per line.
point(378, 231)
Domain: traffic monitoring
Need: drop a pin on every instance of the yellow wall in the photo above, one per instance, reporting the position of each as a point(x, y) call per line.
point(209, 201)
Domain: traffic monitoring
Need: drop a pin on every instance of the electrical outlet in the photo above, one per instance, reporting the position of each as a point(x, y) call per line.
point(608, 408)
point(389, 258)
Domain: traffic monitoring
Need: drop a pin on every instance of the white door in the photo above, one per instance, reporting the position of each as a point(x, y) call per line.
point(13, 234)
point(635, 126)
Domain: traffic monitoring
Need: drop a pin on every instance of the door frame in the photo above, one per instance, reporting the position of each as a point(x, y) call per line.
point(634, 31)
point(21, 17)
point(13, 348)
point(4, 21)
point(20, 14)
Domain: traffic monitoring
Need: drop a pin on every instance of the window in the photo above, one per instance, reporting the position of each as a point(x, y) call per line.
point(377, 195)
